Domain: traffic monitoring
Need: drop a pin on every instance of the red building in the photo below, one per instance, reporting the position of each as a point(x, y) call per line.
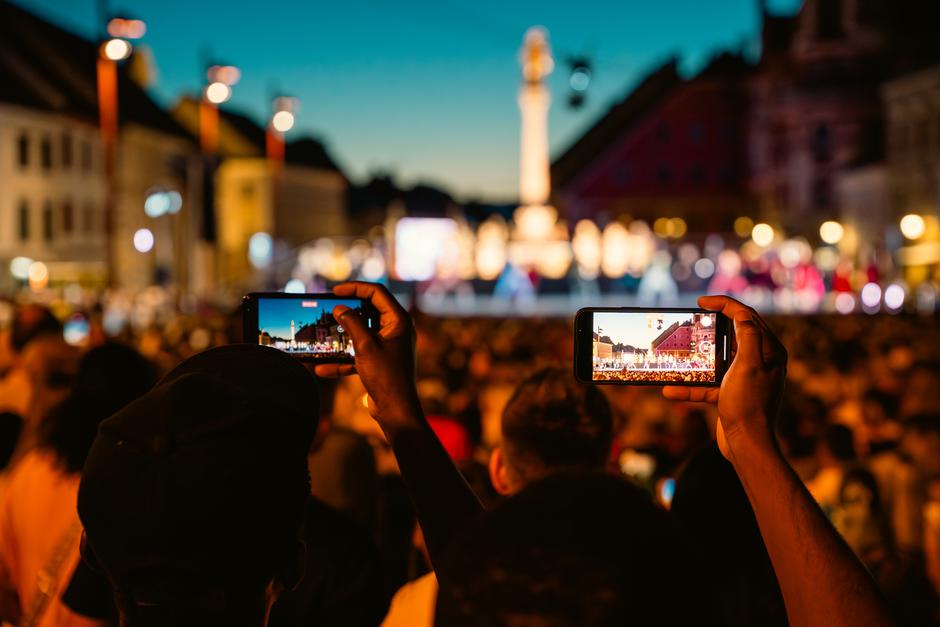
point(675, 340)
point(672, 147)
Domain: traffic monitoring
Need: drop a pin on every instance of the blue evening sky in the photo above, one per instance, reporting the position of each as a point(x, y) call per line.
point(275, 314)
point(425, 89)
point(632, 327)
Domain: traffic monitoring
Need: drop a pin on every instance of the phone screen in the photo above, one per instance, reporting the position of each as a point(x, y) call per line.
point(304, 326)
point(76, 329)
point(658, 347)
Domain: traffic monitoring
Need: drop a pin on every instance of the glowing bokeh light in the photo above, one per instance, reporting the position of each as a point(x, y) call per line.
point(295, 286)
point(894, 297)
point(871, 295)
point(218, 92)
point(704, 268)
point(19, 267)
point(831, 232)
point(38, 275)
point(743, 226)
point(143, 240)
point(116, 49)
point(260, 249)
point(762, 234)
point(283, 121)
point(913, 226)
point(845, 303)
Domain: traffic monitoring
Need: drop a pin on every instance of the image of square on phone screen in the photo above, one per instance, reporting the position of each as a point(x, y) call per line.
point(304, 327)
point(654, 347)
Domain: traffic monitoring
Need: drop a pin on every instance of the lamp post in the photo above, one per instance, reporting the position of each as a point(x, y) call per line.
point(284, 111)
point(115, 47)
point(220, 79)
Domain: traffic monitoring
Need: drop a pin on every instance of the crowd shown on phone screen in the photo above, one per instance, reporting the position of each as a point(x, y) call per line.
point(457, 474)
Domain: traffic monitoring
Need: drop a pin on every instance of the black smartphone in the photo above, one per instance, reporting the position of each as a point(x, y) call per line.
point(637, 346)
point(303, 325)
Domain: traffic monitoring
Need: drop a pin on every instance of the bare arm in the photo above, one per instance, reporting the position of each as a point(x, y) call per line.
point(822, 581)
point(385, 361)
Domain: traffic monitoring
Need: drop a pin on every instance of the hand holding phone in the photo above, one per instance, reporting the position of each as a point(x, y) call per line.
point(384, 359)
point(750, 393)
point(636, 346)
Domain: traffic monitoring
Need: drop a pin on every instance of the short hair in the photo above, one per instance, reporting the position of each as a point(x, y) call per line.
point(553, 422)
point(840, 442)
point(31, 322)
point(573, 549)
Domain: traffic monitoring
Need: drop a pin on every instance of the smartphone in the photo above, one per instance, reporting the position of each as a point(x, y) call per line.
point(303, 325)
point(637, 346)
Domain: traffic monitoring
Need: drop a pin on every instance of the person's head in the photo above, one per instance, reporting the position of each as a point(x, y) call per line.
point(193, 496)
point(837, 445)
point(921, 443)
point(31, 322)
point(590, 550)
point(109, 377)
point(551, 423)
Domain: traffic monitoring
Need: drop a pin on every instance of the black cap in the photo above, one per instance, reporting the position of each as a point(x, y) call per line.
point(202, 482)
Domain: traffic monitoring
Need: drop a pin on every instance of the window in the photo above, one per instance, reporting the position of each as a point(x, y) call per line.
point(697, 174)
point(23, 226)
point(89, 218)
point(66, 150)
point(822, 194)
point(47, 222)
point(829, 19)
point(696, 132)
point(86, 156)
point(822, 143)
point(45, 153)
point(68, 217)
point(22, 150)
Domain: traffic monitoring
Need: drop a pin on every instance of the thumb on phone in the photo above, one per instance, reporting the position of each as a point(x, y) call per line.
point(355, 326)
point(748, 337)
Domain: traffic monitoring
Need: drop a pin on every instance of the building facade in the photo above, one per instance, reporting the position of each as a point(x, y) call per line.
point(53, 189)
point(672, 148)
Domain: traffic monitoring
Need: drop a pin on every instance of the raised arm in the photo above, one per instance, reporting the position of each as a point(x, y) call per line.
point(385, 361)
point(822, 581)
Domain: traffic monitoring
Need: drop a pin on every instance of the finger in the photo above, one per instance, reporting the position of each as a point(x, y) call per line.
point(725, 304)
point(355, 325)
point(691, 394)
point(748, 336)
point(380, 297)
point(332, 371)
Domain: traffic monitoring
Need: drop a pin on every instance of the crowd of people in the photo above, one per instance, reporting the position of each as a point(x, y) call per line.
point(458, 475)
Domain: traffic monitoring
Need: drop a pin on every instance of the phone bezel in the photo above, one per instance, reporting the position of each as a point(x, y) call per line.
point(250, 319)
point(583, 353)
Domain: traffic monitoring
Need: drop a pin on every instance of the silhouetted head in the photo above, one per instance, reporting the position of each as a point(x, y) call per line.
point(193, 496)
point(31, 322)
point(586, 550)
point(109, 377)
point(551, 423)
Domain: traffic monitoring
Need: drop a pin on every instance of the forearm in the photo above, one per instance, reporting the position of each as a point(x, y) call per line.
point(443, 500)
point(822, 581)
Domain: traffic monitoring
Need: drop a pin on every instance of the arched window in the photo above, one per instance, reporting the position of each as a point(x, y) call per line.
point(22, 150)
point(822, 143)
point(23, 222)
point(47, 222)
point(68, 217)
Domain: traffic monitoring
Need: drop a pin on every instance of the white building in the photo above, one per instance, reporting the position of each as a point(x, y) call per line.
point(52, 181)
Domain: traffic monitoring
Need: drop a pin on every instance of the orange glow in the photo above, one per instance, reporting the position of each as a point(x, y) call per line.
point(208, 127)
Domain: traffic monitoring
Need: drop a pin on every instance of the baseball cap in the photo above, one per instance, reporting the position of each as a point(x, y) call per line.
point(198, 488)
